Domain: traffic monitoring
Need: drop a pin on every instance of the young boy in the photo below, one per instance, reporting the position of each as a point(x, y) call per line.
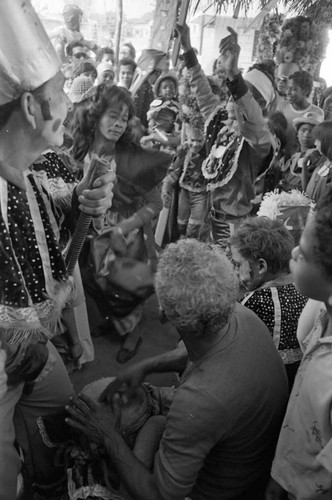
point(297, 104)
point(186, 169)
point(127, 69)
point(303, 461)
point(292, 168)
point(163, 115)
point(261, 250)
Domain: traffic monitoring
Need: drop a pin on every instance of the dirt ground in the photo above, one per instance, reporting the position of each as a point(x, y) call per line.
point(157, 338)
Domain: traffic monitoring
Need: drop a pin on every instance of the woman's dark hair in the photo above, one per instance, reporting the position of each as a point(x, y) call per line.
point(323, 132)
point(278, 125)
point(127, 62)
point(71, 45)
point(264, 238)
point(106, 96)
point(102, 51)
point(84, 66)
point(131, 49)
point(304, 80)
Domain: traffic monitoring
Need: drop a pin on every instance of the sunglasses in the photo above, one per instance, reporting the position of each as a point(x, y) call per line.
point(79, 55)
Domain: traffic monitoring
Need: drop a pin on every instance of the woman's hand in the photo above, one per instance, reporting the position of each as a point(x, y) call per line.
point(97, 423)
point(229, 54)
point(97, 199)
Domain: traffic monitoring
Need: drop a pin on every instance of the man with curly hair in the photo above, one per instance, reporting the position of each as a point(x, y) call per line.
point(225, 416)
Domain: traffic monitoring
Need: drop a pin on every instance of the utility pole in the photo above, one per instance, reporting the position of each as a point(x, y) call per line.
point(118, 28)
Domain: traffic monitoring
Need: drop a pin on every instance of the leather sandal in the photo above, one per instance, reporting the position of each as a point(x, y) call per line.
point(125, 354)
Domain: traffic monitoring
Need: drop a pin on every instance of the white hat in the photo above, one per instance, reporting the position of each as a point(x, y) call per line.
point(312, 117)
point(104, 66)
point(262, 83)
point(27, 56)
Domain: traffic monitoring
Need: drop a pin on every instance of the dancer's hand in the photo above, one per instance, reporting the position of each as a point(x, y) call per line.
point(229, 54)
point(183, 32)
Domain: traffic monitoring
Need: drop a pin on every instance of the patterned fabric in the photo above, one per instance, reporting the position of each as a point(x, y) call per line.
point(33, 285)
point(279, 307)
point(303, 463)
point(192, 177)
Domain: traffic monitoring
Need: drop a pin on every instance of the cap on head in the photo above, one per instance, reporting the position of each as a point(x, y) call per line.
point(104, 66)
point(27, 56)
point(166, 76)
point(311, 117)
point(80, 86)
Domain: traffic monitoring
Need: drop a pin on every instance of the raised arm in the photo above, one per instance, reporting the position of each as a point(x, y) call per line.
point(199, 84)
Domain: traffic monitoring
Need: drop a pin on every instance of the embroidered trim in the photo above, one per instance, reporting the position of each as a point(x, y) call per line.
point(277, 317)
point(230, 174)
point(45, 437)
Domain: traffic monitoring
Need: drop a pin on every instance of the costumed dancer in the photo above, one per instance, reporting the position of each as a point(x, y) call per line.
point(234, 159)
point(33, 278)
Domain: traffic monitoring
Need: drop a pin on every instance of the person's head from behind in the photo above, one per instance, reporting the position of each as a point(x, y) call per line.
point(76, 52)
point(195, 137)
point(299, 87)
point(86, 68)
point(311, 263)
point(105, 54)
point(127, 51)
point(165, 120)
point(261, 250)
point(104, 121)
point(277, 124)
point(126, 72)
point(106, 73)
point(323, 138)
point(196, 287)
point(304, 127)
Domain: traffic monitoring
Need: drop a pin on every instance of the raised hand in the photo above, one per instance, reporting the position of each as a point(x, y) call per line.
point(229, 53)
point(183, 32)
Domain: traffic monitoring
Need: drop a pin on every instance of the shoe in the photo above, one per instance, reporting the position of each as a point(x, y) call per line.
point(125, 355)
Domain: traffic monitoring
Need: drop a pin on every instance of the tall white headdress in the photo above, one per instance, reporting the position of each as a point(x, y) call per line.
point(27, 56)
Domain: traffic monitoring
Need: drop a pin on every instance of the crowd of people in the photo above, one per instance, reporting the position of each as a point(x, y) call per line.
point(92, 151)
